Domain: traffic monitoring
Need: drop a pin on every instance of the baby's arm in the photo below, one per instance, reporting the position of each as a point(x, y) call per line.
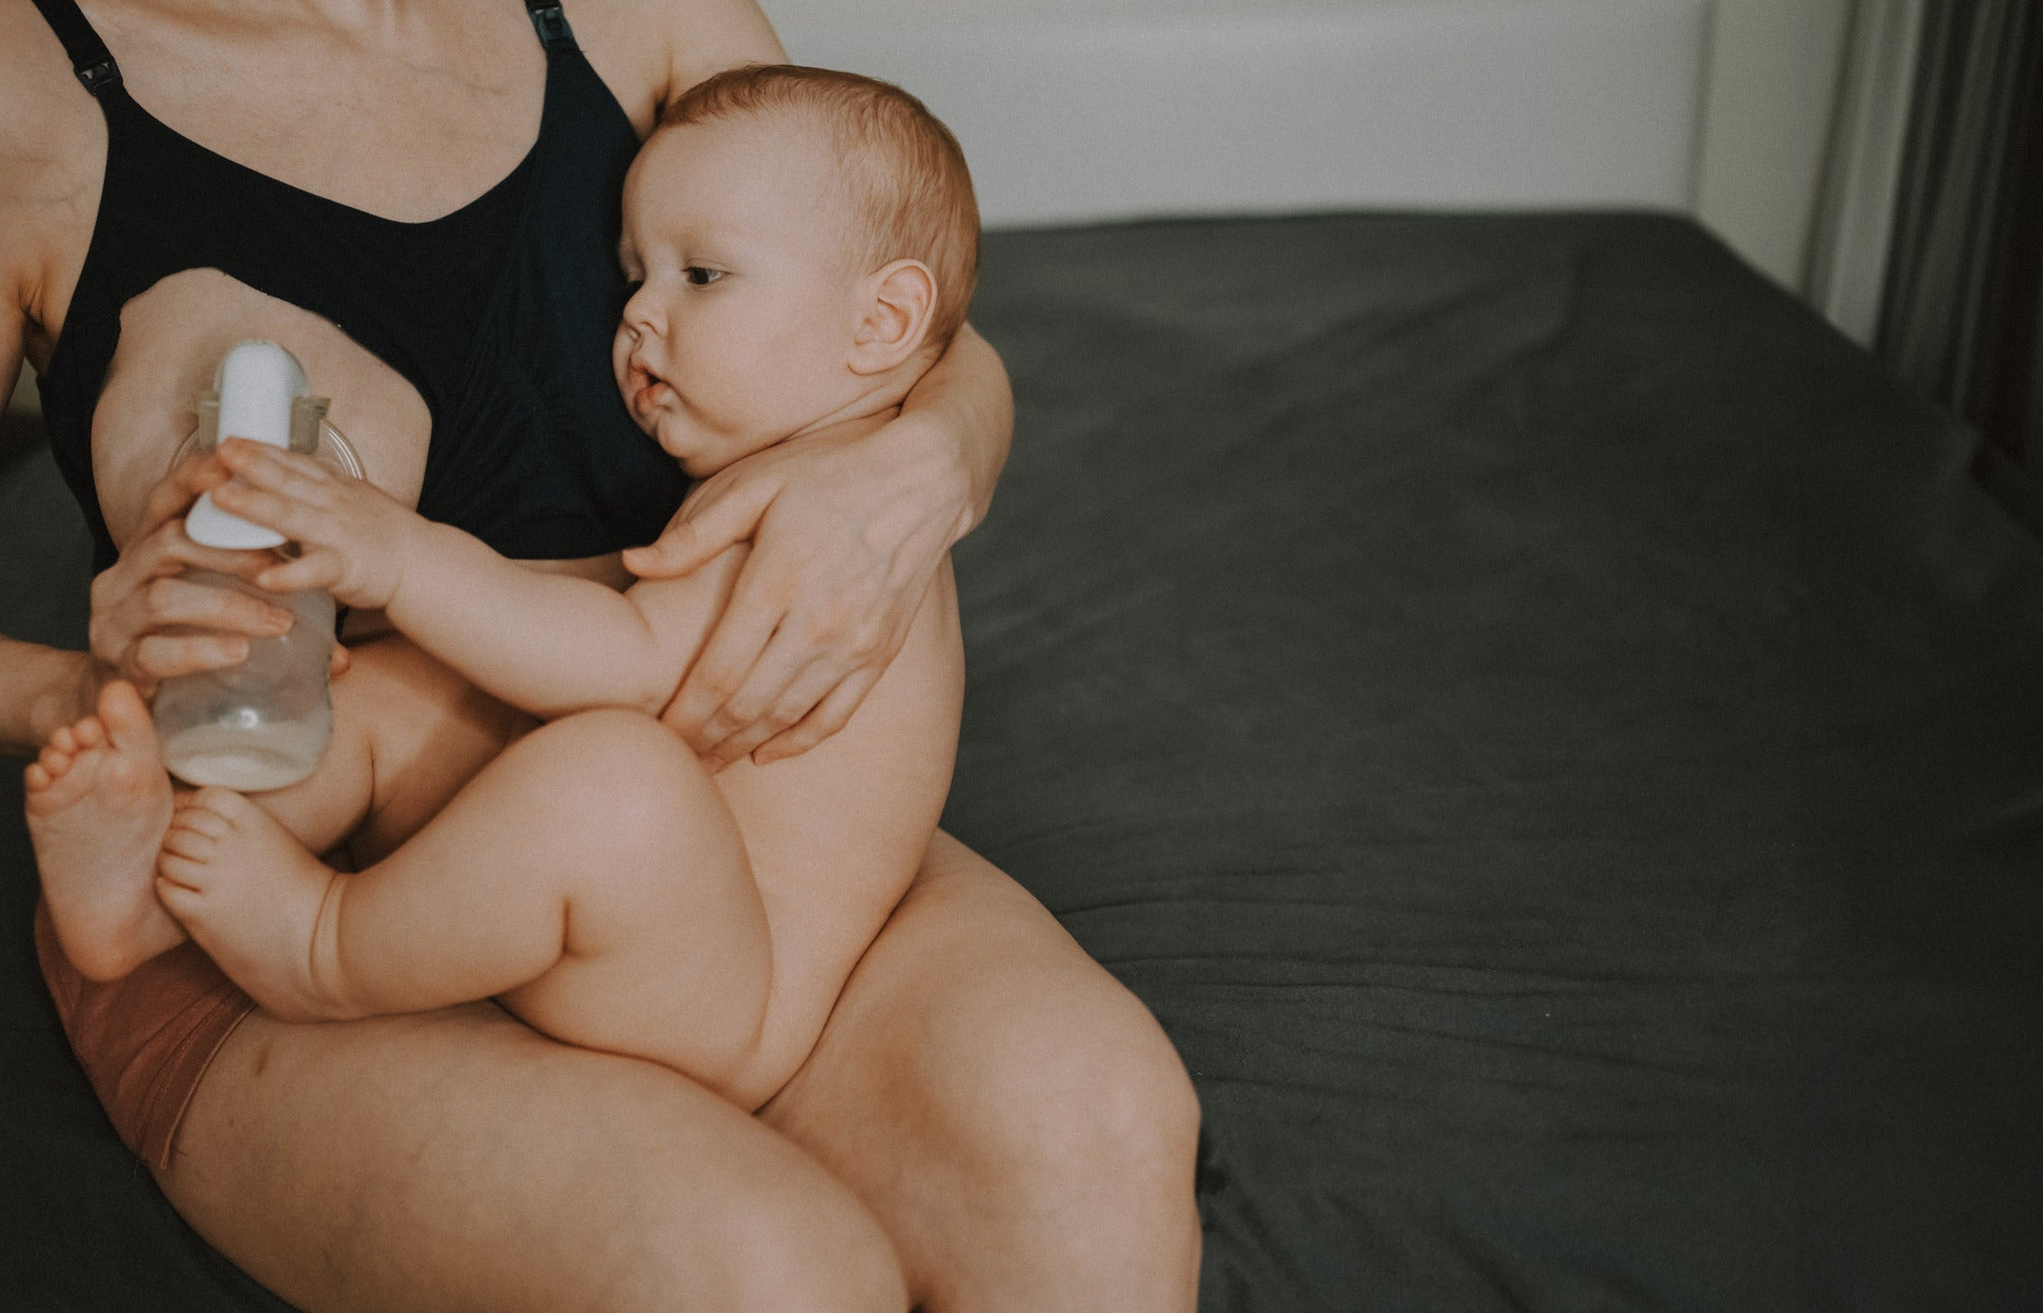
point(548, 643)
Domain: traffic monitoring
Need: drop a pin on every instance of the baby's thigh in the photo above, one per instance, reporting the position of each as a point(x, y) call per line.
point(407, 734)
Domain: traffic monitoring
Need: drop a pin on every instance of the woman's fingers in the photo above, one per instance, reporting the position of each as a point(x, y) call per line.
point(157, 657)
point(797, 704)
point(831, 714)
point(799, 625)
point(798, 671)
point(719, 514)
point(747, 624)
point(168, 550)
point(173, 495)
point(134, 603)
point(173, 600)
point(786, 681)
point(148, 621)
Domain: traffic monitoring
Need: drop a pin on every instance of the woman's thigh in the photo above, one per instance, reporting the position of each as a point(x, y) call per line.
point(1014, 1116)
point(456, 1160)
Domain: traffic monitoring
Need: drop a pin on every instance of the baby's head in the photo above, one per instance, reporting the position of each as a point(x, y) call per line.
point(804, 244)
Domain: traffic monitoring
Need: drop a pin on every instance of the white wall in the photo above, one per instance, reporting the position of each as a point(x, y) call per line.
point(1770, 94)
point(1471, 105)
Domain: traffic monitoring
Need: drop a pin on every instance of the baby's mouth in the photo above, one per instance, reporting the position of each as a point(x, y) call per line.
point(646, 390)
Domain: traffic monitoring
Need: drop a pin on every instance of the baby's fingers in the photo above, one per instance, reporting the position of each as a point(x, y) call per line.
point(315, 569)
point(260, 465)
point(290, 515)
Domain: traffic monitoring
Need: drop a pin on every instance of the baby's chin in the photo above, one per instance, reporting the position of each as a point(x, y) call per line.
point(695, 453)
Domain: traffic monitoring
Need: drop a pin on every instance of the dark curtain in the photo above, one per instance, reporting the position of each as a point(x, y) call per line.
point(1963, 314)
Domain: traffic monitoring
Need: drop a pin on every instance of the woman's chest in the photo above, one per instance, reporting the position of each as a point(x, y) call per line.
point(409, 112)
point(369, 133)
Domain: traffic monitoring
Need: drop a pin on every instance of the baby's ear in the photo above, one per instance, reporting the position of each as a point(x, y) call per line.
point(900, 299)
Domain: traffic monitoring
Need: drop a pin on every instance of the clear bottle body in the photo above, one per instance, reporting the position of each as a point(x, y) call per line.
point(264, 723)
point(261, 724)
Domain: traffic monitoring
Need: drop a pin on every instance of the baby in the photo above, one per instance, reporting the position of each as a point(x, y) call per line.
point(802, 245)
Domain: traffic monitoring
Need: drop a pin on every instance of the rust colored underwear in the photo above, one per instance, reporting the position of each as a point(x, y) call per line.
point(145, 1039)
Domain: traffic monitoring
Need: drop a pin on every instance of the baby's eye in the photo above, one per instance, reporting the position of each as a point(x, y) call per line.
point(631, 286)
point(698, 276)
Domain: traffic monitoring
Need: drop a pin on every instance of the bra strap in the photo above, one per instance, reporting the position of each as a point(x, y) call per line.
point(547, 20)
point(90, 58)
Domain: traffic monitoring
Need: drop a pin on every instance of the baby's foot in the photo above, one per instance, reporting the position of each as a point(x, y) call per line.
point(98, 801)
point(254, 899)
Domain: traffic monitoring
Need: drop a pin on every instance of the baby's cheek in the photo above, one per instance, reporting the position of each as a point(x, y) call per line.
point(620, 351)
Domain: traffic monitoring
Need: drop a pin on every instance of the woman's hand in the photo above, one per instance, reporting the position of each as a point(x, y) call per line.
point(147, 622)
point(846, 535)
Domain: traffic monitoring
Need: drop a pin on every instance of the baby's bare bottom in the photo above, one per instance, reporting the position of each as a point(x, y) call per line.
point(586, 873)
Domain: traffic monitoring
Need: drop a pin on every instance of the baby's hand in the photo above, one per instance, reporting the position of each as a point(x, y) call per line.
point(353, 538)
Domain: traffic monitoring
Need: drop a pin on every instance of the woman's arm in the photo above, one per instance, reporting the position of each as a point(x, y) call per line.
point(40, 689)
point(39, 686)
point(846, 536)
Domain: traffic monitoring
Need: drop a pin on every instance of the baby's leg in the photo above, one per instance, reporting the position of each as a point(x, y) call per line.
point(407, 734)
point(590, 874)
point(99, 802)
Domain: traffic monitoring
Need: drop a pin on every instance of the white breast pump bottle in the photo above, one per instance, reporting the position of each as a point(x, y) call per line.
point(264, 723)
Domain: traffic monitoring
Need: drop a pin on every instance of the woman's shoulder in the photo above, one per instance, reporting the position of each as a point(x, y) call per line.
point(667, 46)
point(44, 110)
point(52, 140)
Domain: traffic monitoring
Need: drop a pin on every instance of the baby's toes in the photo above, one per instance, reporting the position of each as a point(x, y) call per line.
point(227, 807)
point(56, 780)
point(55, 760)
point(47, 768)
point(179, 898)
point(195, 833)
point(193, 846)
point(85, 734)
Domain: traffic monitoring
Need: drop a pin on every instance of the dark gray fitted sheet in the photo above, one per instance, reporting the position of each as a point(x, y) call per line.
point(1554, 733)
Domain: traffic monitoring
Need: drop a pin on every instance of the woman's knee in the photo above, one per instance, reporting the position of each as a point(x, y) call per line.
point(1132, 1103)
point(805, 1244)
point(1093, 1099)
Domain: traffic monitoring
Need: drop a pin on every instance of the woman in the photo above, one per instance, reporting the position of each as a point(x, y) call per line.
point(988, 1121)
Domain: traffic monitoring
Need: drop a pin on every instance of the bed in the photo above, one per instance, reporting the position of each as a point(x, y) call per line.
point(1550, 728)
